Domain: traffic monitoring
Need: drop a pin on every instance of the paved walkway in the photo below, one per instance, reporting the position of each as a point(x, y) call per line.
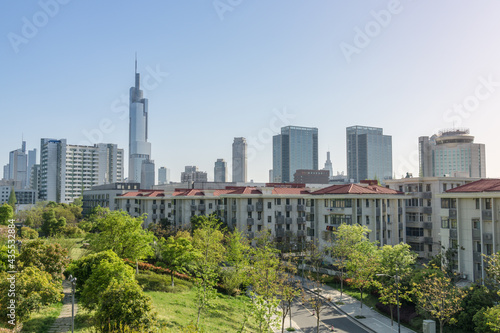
point(63, 322)
point(373, 321)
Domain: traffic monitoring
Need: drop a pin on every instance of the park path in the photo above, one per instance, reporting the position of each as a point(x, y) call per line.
point(63, 322)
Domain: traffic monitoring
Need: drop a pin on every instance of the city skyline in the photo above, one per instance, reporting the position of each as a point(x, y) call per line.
point(220, 76)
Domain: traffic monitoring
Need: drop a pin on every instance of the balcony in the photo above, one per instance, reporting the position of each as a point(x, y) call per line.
point(288, 220)
point(359, 211)
point(288, 208)
point(486, 214)
point(301, 208)
point(154, 216)
point(427, 225)
point(301, 220)
point(259, 206)
point(162, 216)
point(488, 238)
point(301, 233)
point(162, 206)
point(221, 207)
point(400, 210)
point(428, 240)
point(250, 208)
point(477, 257)
point(250, 221)
point(288, 233)
point(193, 207)
point(427, 210)
point(453, 213)
point(377, 211)
point(476, 234)
point(250, 235)
point(233, 208)
point(453, 233)
point(154, 206)
point(280, 232)
point(415, 239)
point(201, 207)
point(280, 219)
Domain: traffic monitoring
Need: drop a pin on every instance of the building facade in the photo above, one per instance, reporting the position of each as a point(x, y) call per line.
point(294, 215)
point(139, 147)
point(311, 176)
point(470, 222)
point(163, 176)
point(240, 160)
point(220, 171)
point(104, 196)
point(191, 174)
point(369, 154)
point(422, 207)
point(295, 148)
point(66, 170)
point(451, 153)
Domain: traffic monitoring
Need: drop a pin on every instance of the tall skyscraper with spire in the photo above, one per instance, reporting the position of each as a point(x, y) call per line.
point(139, 147)
point(328, 164)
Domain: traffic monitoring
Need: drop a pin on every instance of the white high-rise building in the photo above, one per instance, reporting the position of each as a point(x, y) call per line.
point(66, 170)
point(451, 153)
point(163, 176)
point(139, 147)
point(19, 167)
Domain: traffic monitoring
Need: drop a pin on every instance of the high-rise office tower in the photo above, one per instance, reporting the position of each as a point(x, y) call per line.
point(18, 164)
point(220, 170)
point(66, 170)
point(31, 163)
point(451, 153)
point(328, 164)
point(139, 147)
point(163, 176)
point(240, 160)
point(147, 174)
point(294, 149)
point(369, 154)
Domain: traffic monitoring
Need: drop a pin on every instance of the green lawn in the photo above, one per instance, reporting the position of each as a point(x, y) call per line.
point(179, 310)
point(41, 321)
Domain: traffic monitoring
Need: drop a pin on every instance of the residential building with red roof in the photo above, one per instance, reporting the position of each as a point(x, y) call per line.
point(470, 217)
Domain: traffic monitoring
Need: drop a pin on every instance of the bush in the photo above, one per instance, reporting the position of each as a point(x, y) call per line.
point(82, 268)
point(74, 232)
point(406, 312)
point(50, 258)
point(477, 298)
point(28, 233)
point(160, 270)
point(103, 275)
point(34, 289)
point(125, 304)
point(150, 281)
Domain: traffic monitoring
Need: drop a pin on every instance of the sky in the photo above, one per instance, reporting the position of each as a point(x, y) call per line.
point(215, 70)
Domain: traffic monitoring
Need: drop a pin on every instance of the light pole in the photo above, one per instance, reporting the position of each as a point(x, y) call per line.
point(396, 279)
point(73, 285)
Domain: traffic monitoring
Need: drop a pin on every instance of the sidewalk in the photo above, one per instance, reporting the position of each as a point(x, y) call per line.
point(373, 321)
point(63, 322)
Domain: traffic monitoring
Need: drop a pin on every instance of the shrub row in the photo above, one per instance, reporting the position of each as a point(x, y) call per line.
point(160, 270)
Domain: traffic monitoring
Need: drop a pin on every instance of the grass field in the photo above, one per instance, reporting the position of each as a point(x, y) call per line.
point(41, 321)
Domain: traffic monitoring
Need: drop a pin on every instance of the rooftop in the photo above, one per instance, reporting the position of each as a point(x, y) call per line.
point(482, 185)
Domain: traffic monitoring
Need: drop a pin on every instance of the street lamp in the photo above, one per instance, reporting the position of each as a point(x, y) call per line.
point(73, 285)
point(396, 278)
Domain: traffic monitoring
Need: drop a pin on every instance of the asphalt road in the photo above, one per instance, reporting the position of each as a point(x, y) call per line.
point(303, 316)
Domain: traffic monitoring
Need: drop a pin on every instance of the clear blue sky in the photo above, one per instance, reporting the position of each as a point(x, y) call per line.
point(231, 70)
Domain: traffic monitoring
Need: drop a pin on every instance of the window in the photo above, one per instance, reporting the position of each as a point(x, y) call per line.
point(326, 202)
point(287, 201)
point(445, 223)
point(477, 203)
point(489, 249)
point(367, 203)
point(277, 201)
point(269, 205)
point(415, 232)
point(249, 215)
point(475, 224)
point(269, 219)
point(444, 188)
point(427, 187)
point(487, 203)
point(448, 203)
point(259, 216)
point(367, 219)
point(249, 201)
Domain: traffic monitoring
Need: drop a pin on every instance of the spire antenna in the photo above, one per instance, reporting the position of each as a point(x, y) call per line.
point(136, 62)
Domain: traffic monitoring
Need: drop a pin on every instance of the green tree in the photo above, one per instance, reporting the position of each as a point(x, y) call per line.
point(363, 264)
point(178, 254)
point(123, 234)
point(396, 262)
point(343, 240)
point(50, 225)
point(439, 297)
point(12, 199)
point(288, 290)
point(6, 214)
point(237, 256)
point(102, 276)
point(50, 258)
point(207, 239)
point(34, 289)
point(78, 201)
point(28, 233)
point(123, 305)
point(477, 298)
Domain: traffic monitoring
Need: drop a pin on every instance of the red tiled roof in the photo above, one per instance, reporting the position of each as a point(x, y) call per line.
point(294, 191)
point(188, 192)
point(355, 189)
point(144, 193)
point(243, 190)
point(482, 185)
